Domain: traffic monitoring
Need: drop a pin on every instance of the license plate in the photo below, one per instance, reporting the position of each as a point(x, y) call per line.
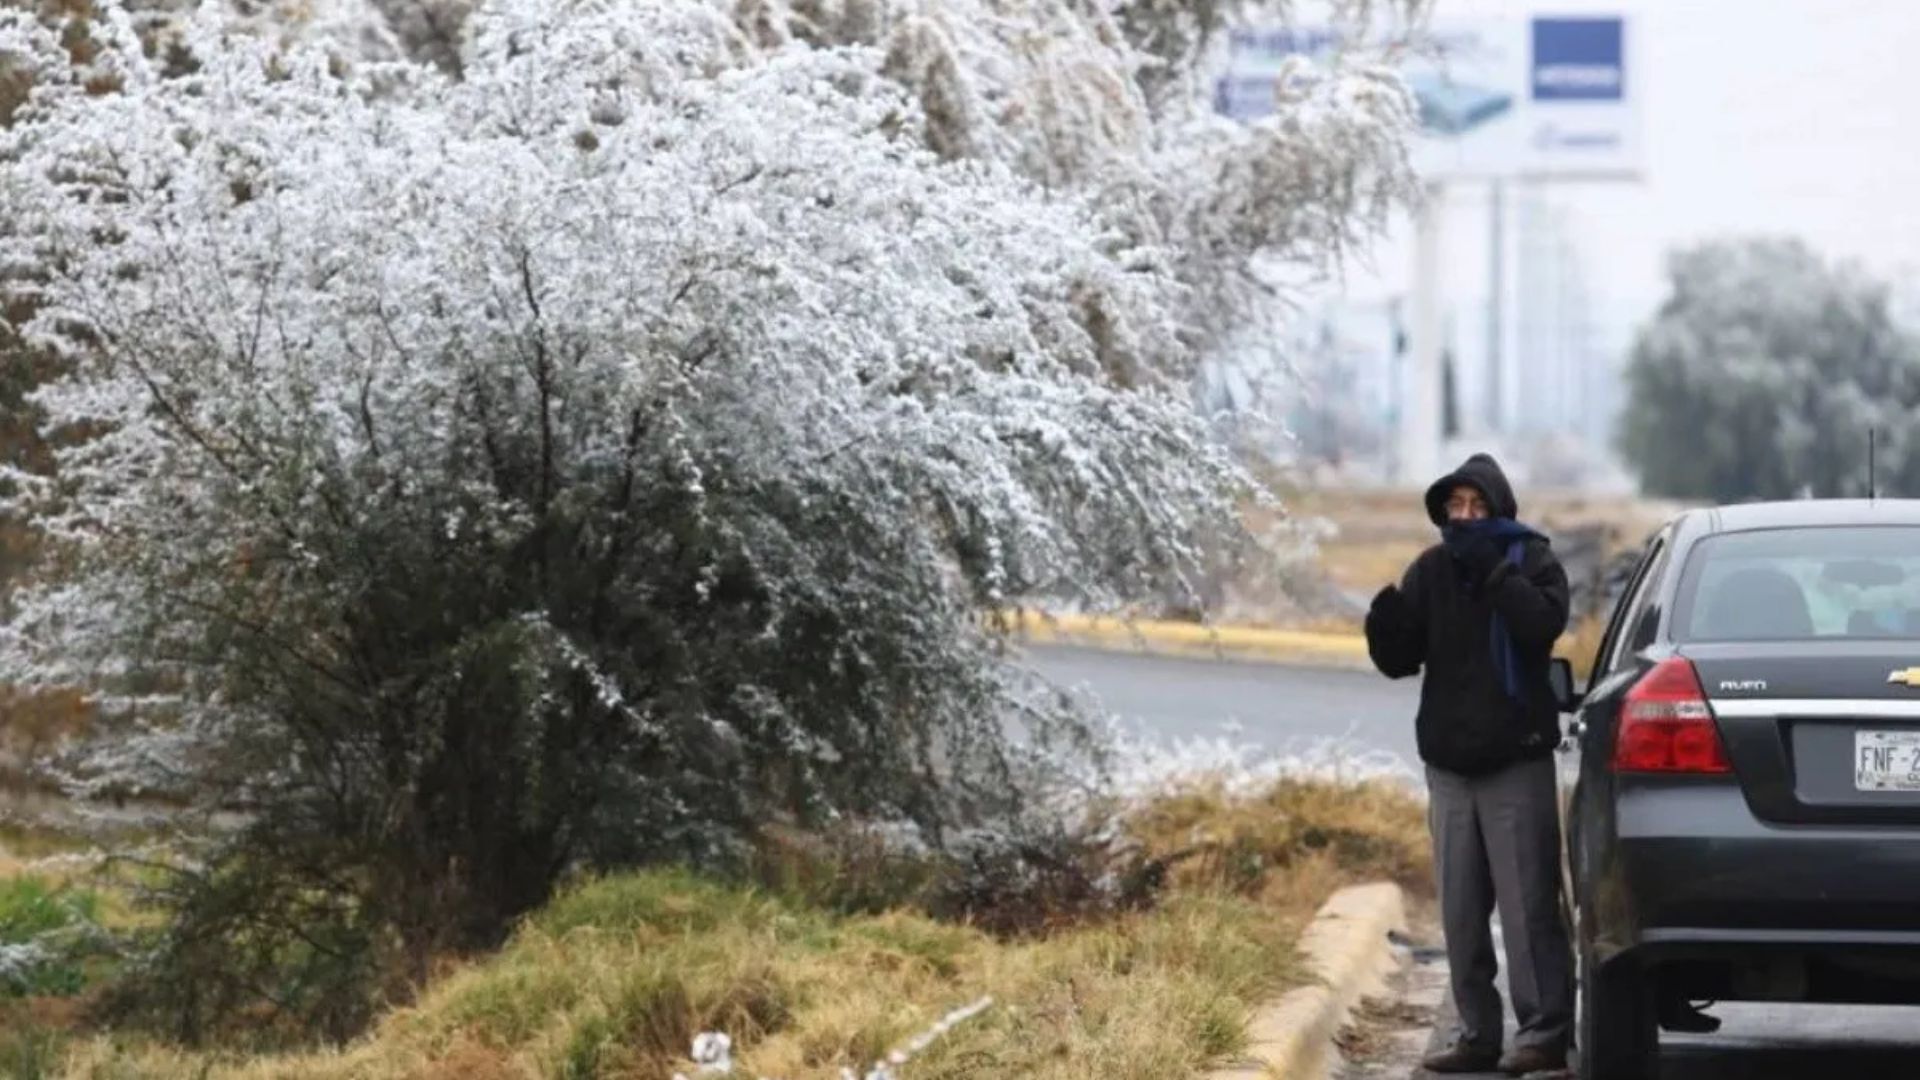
point(1886, 760)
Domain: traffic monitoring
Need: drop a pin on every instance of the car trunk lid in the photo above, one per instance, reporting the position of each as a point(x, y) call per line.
point(1819, 732)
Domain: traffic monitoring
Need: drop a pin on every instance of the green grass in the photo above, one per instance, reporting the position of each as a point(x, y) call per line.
point(29, 1051)
point(19, 841)
point(32, 910)
point(616, 976)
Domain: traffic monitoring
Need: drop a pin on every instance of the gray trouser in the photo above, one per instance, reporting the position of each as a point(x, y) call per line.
point(1496, 841)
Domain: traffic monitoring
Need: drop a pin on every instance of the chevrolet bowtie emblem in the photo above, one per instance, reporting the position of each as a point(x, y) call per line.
point(1906, 676)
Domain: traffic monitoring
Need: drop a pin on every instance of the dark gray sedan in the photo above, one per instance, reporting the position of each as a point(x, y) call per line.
point(1742, 778)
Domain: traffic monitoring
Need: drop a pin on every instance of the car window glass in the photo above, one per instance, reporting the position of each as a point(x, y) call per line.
point(1619, 609)
point(1628, 634)
point(1803, 583)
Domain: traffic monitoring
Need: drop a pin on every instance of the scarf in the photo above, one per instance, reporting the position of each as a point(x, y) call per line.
point(1506, 657)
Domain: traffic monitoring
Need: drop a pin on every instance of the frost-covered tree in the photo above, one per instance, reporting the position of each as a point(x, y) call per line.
point(1762, 375)
point(1105, 100)
point(587, 451)
point(1108, 100)
point(581, 461)
point(1103, 103)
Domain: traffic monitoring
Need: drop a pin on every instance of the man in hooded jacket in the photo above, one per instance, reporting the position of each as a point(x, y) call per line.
point(1477, 614)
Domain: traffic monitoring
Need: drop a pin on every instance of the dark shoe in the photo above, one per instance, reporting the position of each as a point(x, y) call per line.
point(1522, 1060)
point(1463, 1058)
point(1677, 1014)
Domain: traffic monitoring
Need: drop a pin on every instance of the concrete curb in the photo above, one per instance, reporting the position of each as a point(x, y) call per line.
point(1347, 949)
point(1254, 643)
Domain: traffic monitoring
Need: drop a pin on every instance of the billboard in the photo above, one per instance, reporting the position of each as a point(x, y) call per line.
point(1542, 95)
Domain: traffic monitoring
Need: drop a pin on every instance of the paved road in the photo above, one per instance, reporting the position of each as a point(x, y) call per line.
point(1285, 708)
point(1770, 1042)
point(1271, 706)
point(1775, 1042)
point(1801, 1042)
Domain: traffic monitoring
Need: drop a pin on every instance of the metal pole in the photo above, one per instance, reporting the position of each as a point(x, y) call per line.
point(1396, 386)
point(1496, 312)
point(1873, 447)
point(1420, 419)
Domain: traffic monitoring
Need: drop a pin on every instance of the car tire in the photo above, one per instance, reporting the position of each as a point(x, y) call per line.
point(1618, 1036)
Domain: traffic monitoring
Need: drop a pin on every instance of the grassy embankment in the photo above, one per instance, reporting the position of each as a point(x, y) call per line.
point(616, 977)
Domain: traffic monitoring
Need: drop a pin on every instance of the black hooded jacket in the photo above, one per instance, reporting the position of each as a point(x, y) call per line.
point(1468, 723)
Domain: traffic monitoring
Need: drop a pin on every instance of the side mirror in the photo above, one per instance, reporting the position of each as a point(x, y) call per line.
point(1560, 677)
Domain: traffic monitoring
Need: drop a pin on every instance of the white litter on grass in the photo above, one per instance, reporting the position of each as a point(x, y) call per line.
point(713, 1051)
point(884, 1070)
point(920, 1042)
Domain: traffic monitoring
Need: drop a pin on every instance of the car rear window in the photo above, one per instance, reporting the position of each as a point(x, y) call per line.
point(1802, 584)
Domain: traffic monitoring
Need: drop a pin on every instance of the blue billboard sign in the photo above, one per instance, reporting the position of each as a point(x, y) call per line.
point(1578, 60)
point(1526, 94)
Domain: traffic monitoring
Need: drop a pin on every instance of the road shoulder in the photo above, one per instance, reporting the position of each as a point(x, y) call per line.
point(1256, 644)
point(1350, 948)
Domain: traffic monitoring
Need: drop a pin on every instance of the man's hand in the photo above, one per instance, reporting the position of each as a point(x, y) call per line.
point(1389, 608)
point(1480, 555)
point(1396, 641)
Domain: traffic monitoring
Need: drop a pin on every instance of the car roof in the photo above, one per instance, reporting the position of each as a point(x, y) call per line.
point(1808, 512)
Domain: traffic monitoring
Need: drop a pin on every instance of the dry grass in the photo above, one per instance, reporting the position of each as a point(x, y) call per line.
point(1362, 567)
point(31, 721)
point(12, 865)
point(617, 978)
point(43, 852)
point(614, 978)
point(1581, 644)
point(1293, 844)
point(1376, 527)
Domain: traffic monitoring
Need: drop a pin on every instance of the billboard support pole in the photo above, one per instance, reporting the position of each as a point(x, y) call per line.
point(1496, 309)
point(1420, 418)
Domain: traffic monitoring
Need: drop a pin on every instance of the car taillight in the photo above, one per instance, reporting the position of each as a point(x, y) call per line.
point(1666, 725)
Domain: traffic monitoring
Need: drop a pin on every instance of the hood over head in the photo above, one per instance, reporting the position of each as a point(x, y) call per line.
point(1482, 473)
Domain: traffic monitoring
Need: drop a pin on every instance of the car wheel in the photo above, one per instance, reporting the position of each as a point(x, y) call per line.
point(1618, 1037)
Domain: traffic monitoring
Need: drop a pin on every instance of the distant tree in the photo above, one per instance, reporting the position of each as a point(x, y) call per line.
point(1762, 374)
